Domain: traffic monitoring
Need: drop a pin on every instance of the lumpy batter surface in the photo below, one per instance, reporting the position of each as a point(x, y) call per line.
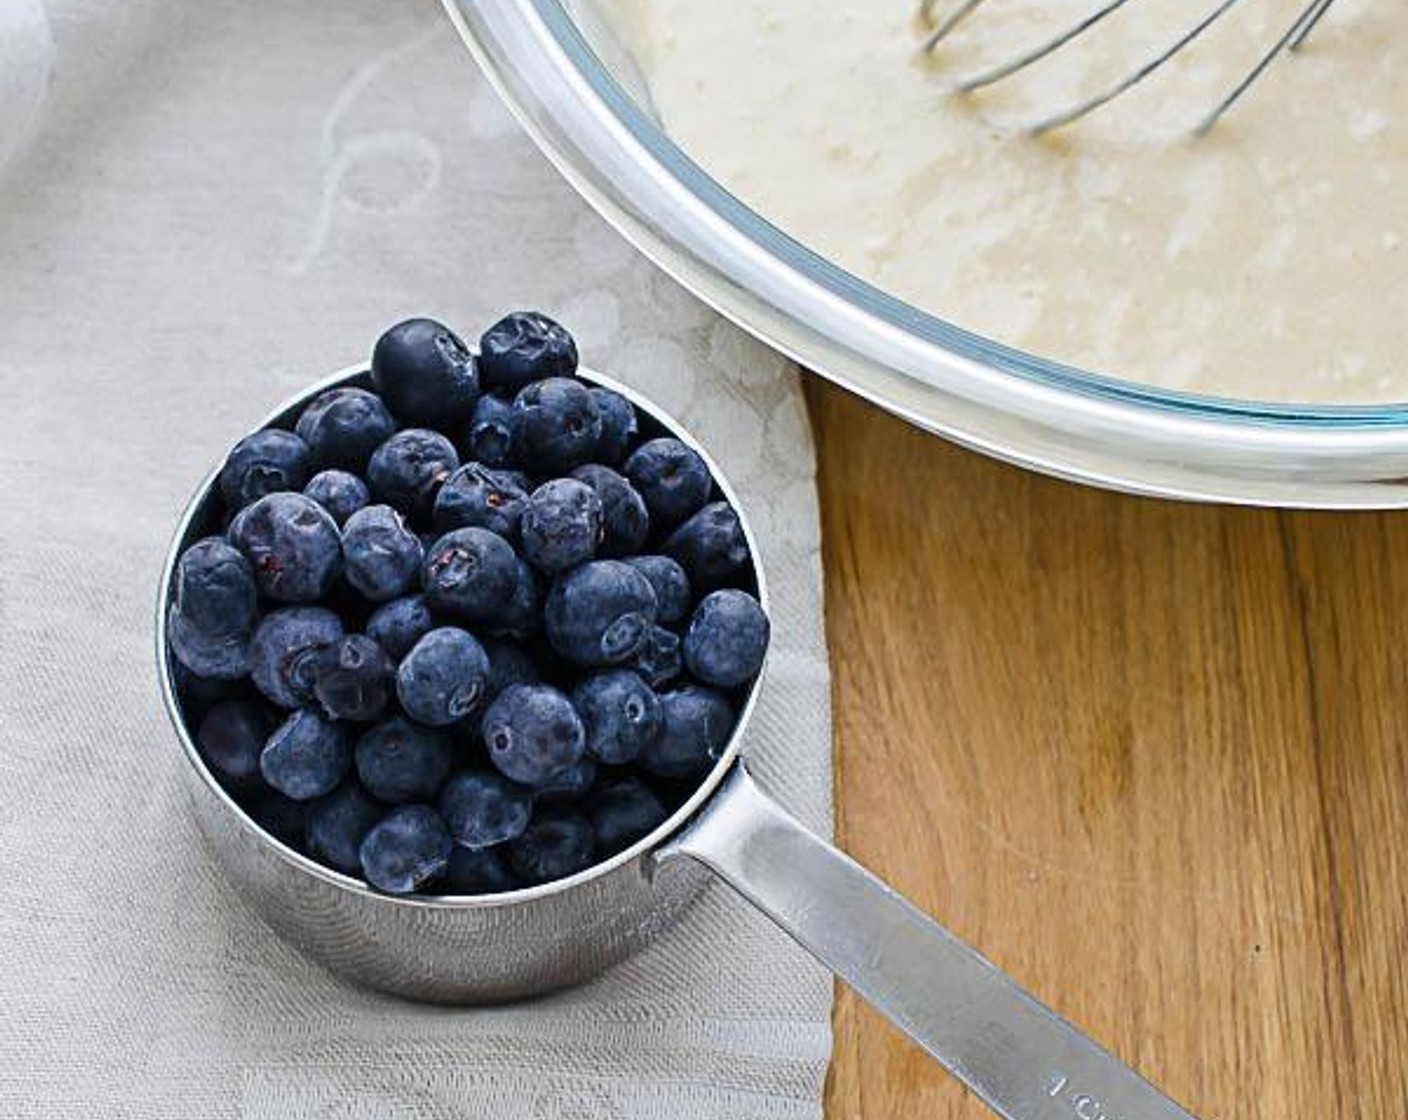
point(1265, 260)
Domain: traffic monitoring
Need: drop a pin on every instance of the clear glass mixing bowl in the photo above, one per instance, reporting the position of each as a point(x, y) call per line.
point(562, 69)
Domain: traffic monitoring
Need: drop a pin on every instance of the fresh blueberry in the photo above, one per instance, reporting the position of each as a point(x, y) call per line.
point(672, 479)
point(337, 825)
point(306, 756)
point(442, 680)
point(522, 615)
point(509, 663)
point(532, 732)
point(353, 679)
point(470, 574)
point(293, 545)
point(210, 659)
point(726, 639)
point(285, 651)
point(399, 761)
point(559, 842)
point(525, 346)
point(620, 712)
point(425, 373)
point(215, 592)
point(405, 850)
point(340, 493)
point(619, 425)
point(569, 784)
point(623, 810)
point(476, 495)
point(263, 463)
point(624, 521)
point(561, 525)
point(673, 596)
point(710, 547)
point(481, 872)
point(660, 658)
point(598, 614)
point(483, 809)
point(281, 817)
point(398, 625)
point(559, 423)
point(199, 694)
point(343, 426)
point(380, 556)
point(407, 471)
point(696, 723)
point(491, 436)
point(231, 737)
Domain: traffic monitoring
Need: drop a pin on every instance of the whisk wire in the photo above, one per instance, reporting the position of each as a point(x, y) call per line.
point(1074, 113)
point(1292, 39)
point(1007, 69)
point(1309, 16)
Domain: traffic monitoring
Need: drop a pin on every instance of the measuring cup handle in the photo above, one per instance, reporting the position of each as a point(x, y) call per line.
point(1021, 1058)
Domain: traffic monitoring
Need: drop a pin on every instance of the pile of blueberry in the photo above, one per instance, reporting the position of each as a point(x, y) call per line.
point(466, 625)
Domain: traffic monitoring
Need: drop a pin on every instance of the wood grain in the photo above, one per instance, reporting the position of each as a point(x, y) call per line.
point(1149, 757)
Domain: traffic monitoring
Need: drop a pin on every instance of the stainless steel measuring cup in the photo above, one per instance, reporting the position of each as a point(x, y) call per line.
point(1017, 1055)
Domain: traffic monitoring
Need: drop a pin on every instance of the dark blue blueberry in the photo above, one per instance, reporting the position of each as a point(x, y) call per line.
point(210, 659)
point(337, 825)
point(443, 679)
point(287, 646)
point(470, 574)
point(342, 428)
point(425, 373)
point(660, 658)
point(199, 694)
point(567, 785)
point(598, 614)
point(478, 873)
point(353, 679)
point(624, 522)
point(561, 525)
point(491, 436)
point(620, 712)
point(559, 424)
point(522, 615)
point(696, 724)
point(398, 625)
point(407, 849)
point(263, 463)
point(407, 471)
point(215, 592)
point(623, 810)
point(525, 346)
point(509, 663)
point(231, 737)
point(727, 638)
point(619, 426)
point(281, 817)
point(532, 733)
point(673, 596)
point(710, 547)
point(340, 493)
point(481, 496)
point(483, 809)
point(399, 761)
point(293, 545)
point(380, 556)
point(306, 756)
point(672, 478)
point(559, 842)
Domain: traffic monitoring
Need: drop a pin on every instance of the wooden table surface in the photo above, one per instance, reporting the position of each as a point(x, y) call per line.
point(1151, 758)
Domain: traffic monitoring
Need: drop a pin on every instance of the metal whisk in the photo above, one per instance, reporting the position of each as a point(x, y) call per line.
point(1292, 39)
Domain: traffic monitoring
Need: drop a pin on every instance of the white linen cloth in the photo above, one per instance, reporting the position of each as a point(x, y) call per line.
point(203, 207)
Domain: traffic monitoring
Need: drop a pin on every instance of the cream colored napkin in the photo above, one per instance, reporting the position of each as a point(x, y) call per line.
point(204, 206)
